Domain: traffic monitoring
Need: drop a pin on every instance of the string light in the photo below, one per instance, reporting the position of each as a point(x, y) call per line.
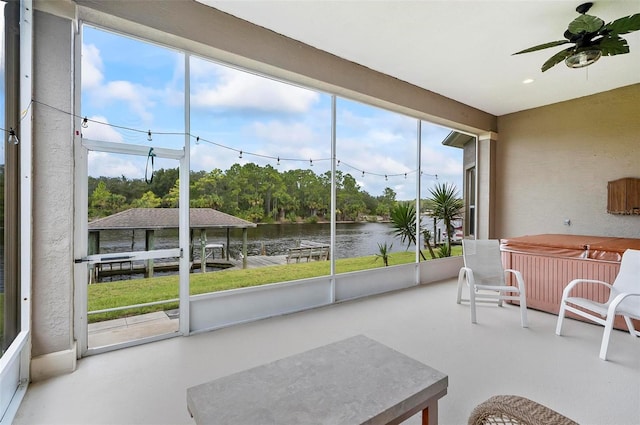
point(12, 136)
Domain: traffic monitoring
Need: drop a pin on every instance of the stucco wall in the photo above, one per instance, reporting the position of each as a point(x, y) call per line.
point(553, 163)
point(52, 301)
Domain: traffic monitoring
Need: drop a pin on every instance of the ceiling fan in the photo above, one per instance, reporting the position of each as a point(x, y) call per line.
point(591, 39)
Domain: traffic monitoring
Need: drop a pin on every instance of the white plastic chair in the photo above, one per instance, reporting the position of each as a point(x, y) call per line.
point(624, 300)
point(485, 276)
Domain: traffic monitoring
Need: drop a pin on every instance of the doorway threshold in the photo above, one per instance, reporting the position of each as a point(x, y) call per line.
point(134, 330)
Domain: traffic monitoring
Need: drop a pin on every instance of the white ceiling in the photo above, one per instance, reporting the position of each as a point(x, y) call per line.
point(459, 49)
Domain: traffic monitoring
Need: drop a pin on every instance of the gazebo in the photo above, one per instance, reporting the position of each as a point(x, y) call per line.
point(152, 219)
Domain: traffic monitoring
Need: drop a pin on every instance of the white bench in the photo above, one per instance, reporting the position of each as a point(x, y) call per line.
point(210, 248)
point(309, 251)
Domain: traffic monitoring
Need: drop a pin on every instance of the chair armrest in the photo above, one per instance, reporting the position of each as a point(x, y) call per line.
point(466, 272)
point(574, 282)
point(511, 409)
point(613, 305)
point(518, 276)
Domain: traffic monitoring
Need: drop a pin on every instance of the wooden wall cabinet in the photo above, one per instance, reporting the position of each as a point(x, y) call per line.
point(623, 196)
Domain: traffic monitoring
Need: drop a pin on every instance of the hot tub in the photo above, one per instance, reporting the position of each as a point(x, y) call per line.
point(549, 262)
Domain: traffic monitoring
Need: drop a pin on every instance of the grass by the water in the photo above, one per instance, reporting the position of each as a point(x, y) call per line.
point(139, 291)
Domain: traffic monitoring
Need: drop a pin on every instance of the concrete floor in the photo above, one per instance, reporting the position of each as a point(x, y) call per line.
point(147, 384)
point(131, 328)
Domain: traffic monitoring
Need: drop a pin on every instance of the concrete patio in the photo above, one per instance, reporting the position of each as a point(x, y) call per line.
point(147, 384)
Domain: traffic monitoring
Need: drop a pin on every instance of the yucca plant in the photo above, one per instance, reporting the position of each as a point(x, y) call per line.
point(403, 220)
point(383, 252)
point(447, 206)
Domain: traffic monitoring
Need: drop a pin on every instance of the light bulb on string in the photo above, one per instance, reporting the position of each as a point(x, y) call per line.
point(12, 137)
point(84, 121)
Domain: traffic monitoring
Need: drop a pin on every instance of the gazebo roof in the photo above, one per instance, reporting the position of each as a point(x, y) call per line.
point(167, 218)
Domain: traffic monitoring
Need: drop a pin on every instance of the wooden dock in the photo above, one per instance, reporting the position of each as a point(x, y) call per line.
point(255, 261)
point(138, 268)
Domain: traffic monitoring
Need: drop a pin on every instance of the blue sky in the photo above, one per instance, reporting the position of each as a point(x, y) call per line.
point(139, 85)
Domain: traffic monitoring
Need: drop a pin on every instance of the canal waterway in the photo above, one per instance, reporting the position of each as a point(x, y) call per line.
point(352, 239)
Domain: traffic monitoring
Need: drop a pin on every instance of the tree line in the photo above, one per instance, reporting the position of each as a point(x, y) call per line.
point(249, 191)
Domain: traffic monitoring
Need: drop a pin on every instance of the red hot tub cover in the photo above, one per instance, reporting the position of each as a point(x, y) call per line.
point(603, 248)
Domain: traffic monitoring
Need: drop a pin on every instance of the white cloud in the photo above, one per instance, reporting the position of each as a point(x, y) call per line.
point(106, 164)
point(444, 164)
point(137, 97)
point(204, 158)
point(100, 132)
point(207, 157)
point(383, 136)
point(281, 133)
point(378, 164)
point(110, 165)
point(92, 66)
point(230, 88)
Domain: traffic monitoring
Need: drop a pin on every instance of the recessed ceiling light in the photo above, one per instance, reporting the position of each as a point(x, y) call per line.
point(527, 81)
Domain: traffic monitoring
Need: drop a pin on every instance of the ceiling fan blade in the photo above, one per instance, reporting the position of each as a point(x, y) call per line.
point(584, 8)
point(612, 45)
point(557, 58)
point(571, 37)
point(624, 25)
point(543, 46)
point(585, 24)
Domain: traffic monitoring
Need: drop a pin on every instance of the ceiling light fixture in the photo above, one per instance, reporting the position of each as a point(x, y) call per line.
point(583, 58)
point(527, 81)
point(590, 38)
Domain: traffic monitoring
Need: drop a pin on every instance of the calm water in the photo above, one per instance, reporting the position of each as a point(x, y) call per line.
point(352, 239)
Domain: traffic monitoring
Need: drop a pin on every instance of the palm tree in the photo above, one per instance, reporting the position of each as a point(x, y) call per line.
point(447, 206)
point(403, 220)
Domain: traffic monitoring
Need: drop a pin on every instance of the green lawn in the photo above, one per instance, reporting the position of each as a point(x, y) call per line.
point(139, 291)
